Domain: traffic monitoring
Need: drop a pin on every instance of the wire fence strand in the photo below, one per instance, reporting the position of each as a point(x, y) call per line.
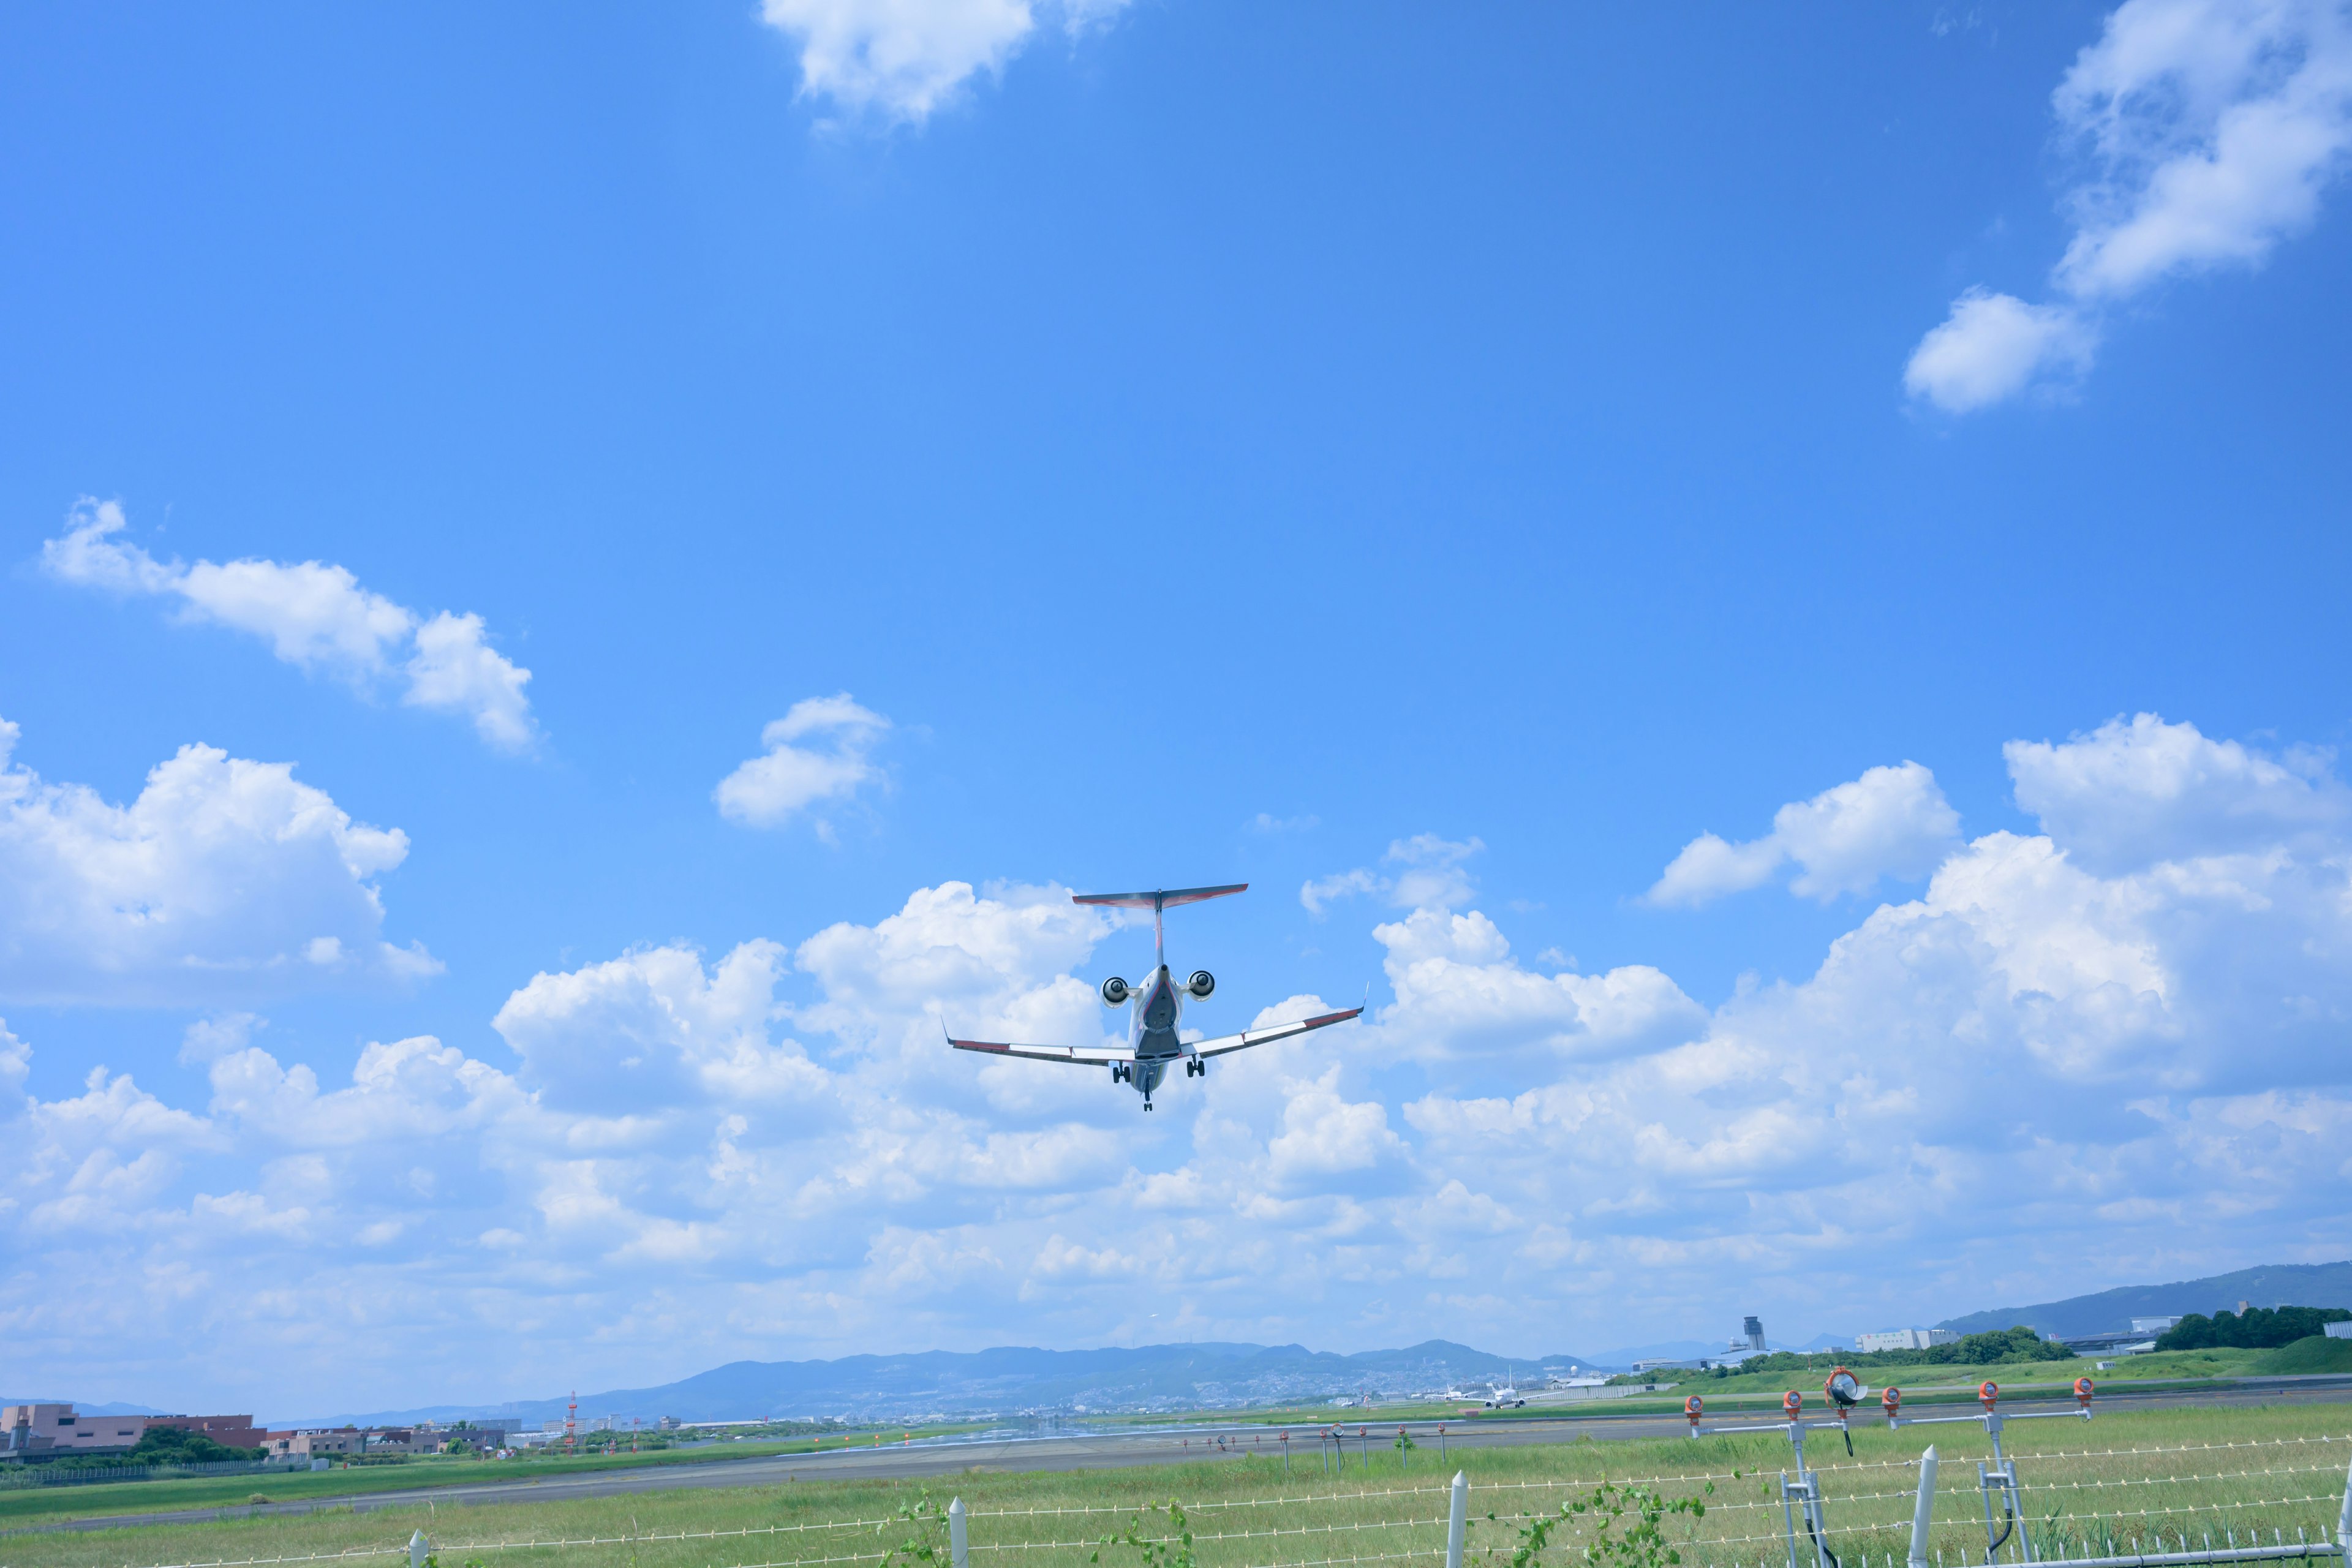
point(2069, 1502)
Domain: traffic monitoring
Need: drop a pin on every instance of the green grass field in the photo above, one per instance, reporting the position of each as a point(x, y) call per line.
point(33, 1504)
point(2125, 1476)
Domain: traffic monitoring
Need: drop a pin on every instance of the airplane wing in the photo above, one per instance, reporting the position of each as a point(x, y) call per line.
point(1271, 1033)
point(1044, 1053)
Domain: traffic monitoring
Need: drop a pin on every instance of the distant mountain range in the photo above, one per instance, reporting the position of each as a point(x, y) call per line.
point(1013, 1380)
point(2275, 1285)
point(1010, 1380)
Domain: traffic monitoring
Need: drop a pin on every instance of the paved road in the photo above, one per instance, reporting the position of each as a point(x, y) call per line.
point(1105, 1450)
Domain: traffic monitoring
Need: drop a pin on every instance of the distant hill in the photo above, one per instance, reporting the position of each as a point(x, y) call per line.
point(2275, 1285)
point(1014, 1379)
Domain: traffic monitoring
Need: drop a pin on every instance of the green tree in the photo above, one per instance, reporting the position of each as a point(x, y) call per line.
point(2257, 1329)
point(178, 1445)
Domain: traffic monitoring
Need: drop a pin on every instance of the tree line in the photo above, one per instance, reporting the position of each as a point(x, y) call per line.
point(2256, 1328)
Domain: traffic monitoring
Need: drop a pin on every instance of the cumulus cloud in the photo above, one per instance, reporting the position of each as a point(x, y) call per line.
point(792, 774)
point(1994, 346)
point(1890, 822)
point(2080, 1053)
point(652, 1029)
point(314, 617)
point(1459, 993)
point(903, 59)
point(2209, 130)
point(2133, 793)
point(223, 878)
point(1425, 871)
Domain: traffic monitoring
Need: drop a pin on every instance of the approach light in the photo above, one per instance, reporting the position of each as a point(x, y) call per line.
point(1845, 1389)
point(1987, 1394)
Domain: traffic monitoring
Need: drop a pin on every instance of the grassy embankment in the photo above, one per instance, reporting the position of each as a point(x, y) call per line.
point(1957, 1384)
point(2150, 1467)
point(33, 1505)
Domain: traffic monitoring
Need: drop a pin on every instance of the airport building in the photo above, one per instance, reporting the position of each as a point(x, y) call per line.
point(1904, 1340)
point(29, 1429)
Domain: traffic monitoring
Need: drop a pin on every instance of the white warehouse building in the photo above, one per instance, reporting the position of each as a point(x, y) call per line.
point(1904, 1340)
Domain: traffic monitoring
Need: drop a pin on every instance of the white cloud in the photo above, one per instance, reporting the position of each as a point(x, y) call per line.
point(1429, 874)
point(770, 790)
point(1992, 347)
point(2131, 794)
point(1890, 822)
point(314, 617)
point(221, 880)
point(456, 670)
point(1460, 993)
point(1318, 894)
point(2210, 127)
point(902, 60)
point(2215, 123)
point(652, 1029)
point(2084, 1055)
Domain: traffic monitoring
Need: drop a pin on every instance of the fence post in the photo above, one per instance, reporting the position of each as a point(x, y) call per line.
point(1923, 1515)
point(418, 1550)
point(1456, 1517)
point(956, 1550)
point(2344, 1520)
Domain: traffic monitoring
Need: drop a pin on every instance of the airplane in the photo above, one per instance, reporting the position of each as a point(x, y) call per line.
point(1505, 1396)
point(1158, 1007)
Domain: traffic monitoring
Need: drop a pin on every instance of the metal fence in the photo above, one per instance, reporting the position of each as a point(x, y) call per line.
point(17, 1476)
point(2087, 1507)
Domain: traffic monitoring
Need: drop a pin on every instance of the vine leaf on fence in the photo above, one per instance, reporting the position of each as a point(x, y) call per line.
point(1614, 1543)
point(926, 1538)
point(1172, 1550)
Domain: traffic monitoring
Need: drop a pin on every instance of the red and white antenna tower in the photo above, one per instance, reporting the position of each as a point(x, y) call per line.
point(571, 1423)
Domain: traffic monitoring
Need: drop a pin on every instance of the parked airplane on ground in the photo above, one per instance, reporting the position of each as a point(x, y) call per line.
point(1158, 1008)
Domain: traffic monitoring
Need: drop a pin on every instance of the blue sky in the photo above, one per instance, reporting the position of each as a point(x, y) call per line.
point(1435, 466)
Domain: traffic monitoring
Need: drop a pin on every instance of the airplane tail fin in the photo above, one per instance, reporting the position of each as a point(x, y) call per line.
point(1157, 899)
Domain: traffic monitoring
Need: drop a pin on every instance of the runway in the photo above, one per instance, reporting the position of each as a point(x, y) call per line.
point(1190, 1445)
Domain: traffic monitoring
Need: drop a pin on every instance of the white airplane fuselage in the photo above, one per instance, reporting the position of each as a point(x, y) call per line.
point(1155, 1015)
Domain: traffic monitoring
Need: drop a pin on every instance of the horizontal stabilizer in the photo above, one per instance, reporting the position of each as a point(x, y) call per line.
point(1161, 897)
